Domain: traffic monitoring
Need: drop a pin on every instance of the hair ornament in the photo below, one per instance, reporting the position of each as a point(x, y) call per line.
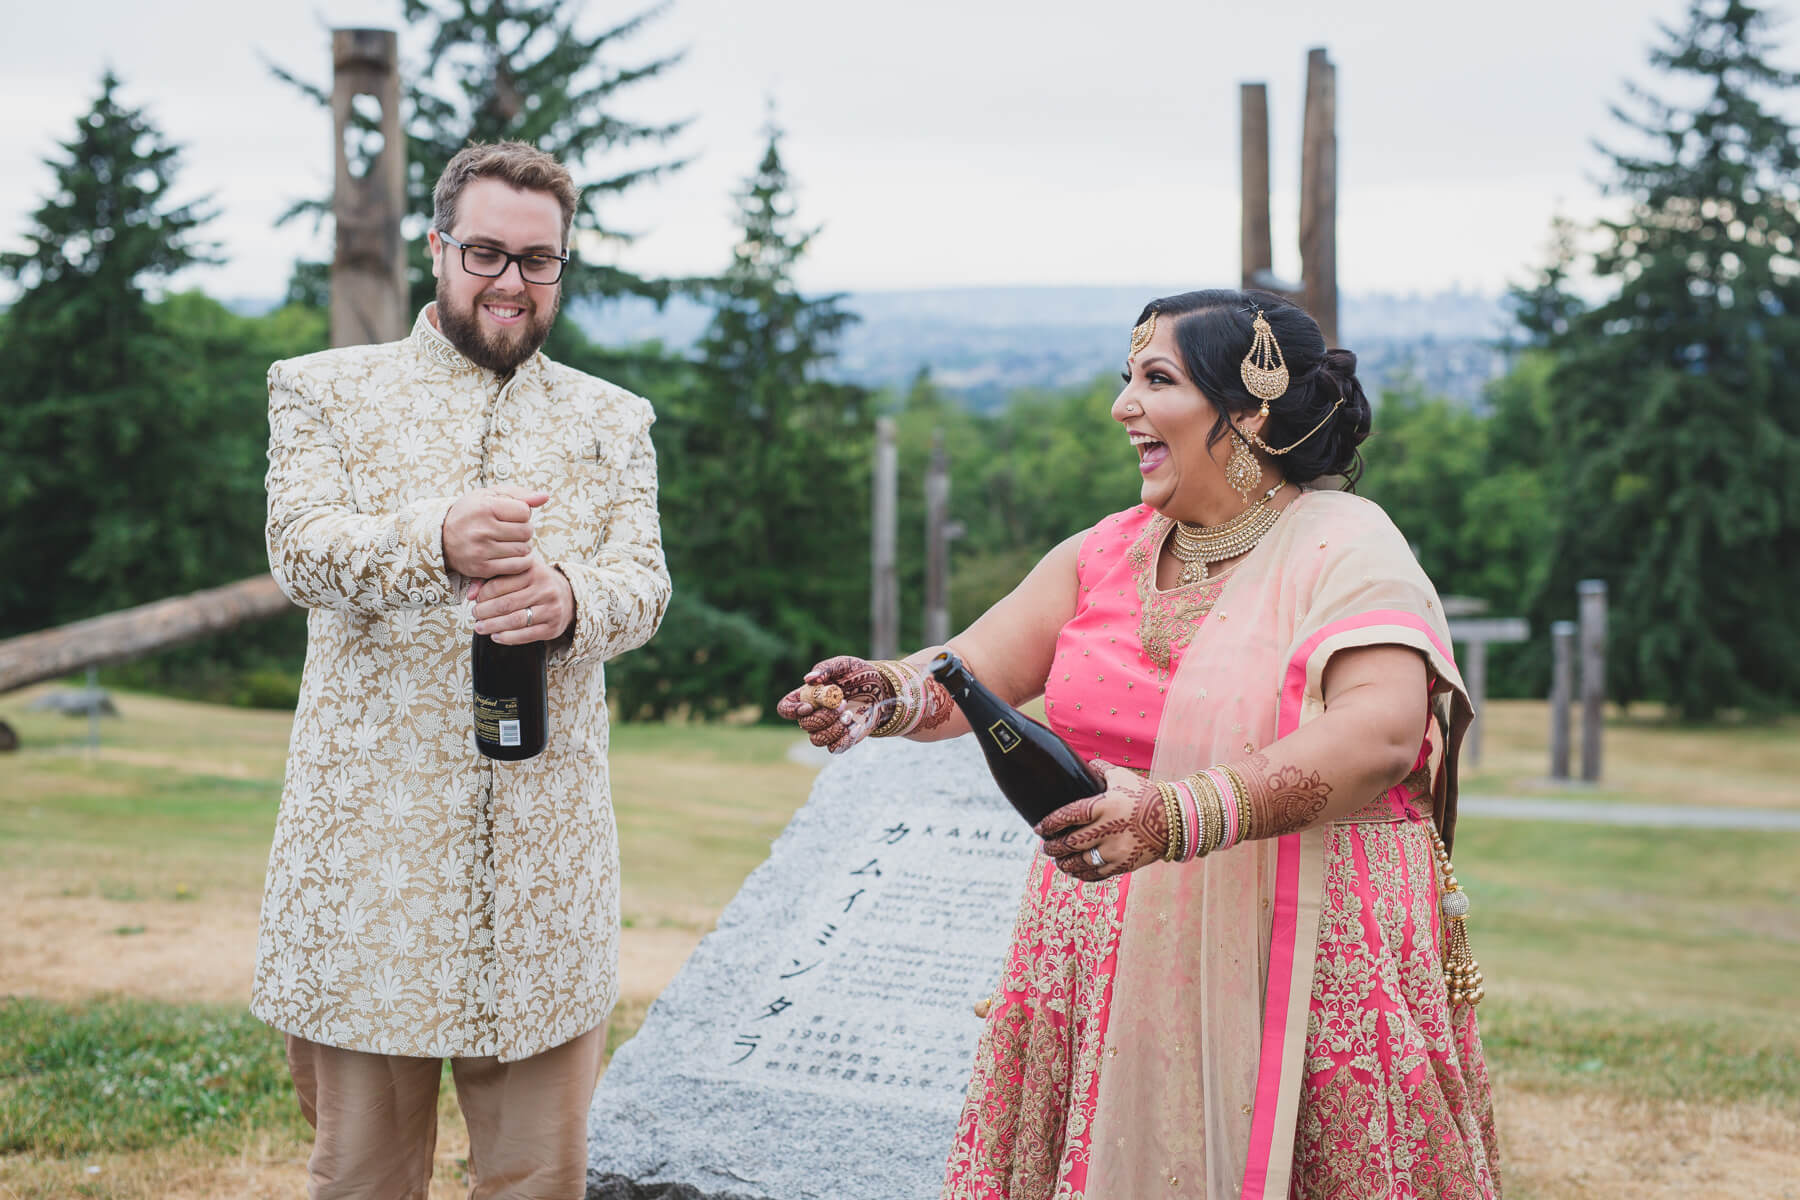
point(1264, 370)
point(1140, 337)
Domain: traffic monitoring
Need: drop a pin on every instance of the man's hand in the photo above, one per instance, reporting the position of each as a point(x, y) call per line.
point(535, 604)
point(488, 533)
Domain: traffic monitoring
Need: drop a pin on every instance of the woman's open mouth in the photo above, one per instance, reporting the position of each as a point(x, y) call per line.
point(1151, 453)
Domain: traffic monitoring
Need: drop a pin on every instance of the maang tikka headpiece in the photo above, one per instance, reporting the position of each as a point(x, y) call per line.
point(1140, 337)
point(1264, 370)
point(1266, 375)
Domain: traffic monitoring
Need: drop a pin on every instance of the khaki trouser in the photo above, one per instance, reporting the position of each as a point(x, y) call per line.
point(376, 1120)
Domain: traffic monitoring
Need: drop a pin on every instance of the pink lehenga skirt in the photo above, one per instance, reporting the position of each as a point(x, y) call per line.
point(1394, 1099)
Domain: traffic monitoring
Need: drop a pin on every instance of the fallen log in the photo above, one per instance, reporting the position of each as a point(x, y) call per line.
point(134, 632)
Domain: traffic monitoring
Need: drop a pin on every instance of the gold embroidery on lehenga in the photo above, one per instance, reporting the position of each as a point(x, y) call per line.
point(1166, 619)
point(1395, 1099)
point(1028, 1102)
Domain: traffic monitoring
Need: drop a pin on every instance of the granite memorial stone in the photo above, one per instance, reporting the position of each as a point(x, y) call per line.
point(818, 1042)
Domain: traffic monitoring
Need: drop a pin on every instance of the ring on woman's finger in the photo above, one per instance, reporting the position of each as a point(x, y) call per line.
point(527, 624)
point(1095, 858)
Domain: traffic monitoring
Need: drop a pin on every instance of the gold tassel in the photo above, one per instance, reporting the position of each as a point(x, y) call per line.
point(1461, 972)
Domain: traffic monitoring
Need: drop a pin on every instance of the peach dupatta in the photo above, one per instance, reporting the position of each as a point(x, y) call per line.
point(1205, 1041)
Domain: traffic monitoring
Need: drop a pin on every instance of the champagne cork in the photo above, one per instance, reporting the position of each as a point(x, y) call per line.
point(828, 695)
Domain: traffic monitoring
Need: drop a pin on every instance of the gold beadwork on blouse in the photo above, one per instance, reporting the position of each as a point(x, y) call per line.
point(1169, 618)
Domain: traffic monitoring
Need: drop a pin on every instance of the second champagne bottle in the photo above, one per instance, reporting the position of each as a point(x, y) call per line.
point(512, 698)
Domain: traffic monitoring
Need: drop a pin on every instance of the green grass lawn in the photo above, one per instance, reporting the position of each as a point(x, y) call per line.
point(1658, 963)
point(1646, 964)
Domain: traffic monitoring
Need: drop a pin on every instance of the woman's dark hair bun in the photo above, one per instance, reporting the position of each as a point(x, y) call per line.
point(1341, 435)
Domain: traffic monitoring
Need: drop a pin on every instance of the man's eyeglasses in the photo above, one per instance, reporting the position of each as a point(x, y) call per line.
point(491, 263)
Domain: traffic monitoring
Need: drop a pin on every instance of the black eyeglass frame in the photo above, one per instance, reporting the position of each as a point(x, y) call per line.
point(561, 260)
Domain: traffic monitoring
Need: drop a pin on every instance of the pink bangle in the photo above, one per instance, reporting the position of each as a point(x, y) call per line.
point(1229, 796)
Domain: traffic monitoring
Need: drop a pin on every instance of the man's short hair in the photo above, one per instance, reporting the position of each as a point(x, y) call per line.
point(515, 163)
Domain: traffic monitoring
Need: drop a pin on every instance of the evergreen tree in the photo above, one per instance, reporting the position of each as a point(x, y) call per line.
point(1545, 308)
point(1677, 401)
point(107, 464)
point(498, 70)
point(766, 474)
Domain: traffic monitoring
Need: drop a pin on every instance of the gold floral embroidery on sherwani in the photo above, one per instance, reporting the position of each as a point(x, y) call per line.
point(422, 900)
point(1031, 1097)
point(1167, 620)
point(1388, 1106)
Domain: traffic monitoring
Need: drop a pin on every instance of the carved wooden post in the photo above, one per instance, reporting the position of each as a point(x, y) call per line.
point(368, 270)
point(937, 544)
point(1258, 256)
point(884, 591)
point(1562, 690)
point(1593, 673)
point(1318, 195)
point(1474, 665)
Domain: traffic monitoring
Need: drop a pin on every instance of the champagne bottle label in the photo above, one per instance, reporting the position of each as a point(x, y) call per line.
point(497, 719)
point(1005, 736)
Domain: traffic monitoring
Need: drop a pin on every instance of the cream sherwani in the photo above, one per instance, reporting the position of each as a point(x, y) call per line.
point(422, 899)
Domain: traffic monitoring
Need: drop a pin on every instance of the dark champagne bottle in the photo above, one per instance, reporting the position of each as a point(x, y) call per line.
point(1035, 769)
point(512, 703)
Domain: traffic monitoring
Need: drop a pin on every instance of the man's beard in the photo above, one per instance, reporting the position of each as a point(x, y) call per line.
point(500, 351)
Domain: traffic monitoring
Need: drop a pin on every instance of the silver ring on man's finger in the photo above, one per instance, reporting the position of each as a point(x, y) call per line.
point(527, 624)
point(1094, 858)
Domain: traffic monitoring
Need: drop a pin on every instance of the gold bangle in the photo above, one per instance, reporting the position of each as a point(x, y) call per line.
point(900, 715)
point(1215, 811)
point(1180, 823)
point(1171, 802)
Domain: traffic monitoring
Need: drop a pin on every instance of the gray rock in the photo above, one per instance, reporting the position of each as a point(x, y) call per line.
point(73, 702)
point(817, 1044)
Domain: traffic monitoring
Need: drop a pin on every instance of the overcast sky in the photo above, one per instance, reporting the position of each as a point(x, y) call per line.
point(942, 142)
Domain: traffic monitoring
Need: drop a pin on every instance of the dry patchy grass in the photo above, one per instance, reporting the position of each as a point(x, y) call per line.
point(1583, 1146)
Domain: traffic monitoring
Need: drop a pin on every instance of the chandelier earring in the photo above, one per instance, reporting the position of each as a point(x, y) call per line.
point(1242, 471)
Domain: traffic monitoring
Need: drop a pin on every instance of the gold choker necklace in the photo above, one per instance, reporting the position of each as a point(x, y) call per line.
point(1198, 546)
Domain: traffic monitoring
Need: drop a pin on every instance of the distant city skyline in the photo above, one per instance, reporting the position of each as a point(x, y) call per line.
point(945, 144)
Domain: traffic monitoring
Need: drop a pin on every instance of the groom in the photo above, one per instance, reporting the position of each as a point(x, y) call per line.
point(423, 902)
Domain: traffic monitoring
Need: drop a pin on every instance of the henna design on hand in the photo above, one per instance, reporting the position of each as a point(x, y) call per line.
point(1080, 841)
point(857, 676)
point(1077, 867)
point(1128, 818)
point(818, 719)
point(1284, 800)
point(939, 707)
point(830, 734)
point(1069, 817)
point(1150, 821)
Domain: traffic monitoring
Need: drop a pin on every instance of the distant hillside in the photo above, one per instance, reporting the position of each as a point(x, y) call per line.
point(985, 343)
